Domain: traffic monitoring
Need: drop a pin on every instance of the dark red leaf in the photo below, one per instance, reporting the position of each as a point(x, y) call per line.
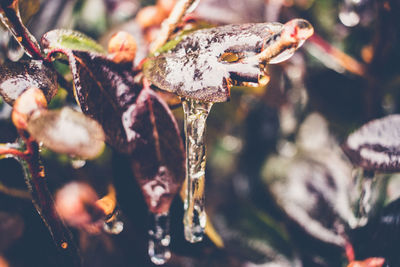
point(10, 16)
point(107, 92)
point(136, 121)
point(158, 160)
point(376, 145)
point(16, 77)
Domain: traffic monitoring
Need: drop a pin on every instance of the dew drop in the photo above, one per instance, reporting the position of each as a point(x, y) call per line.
point(114, 225)
point(348, 16)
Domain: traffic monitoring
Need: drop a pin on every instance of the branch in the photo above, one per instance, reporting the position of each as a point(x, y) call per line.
point(335, 55)
point(170, 24)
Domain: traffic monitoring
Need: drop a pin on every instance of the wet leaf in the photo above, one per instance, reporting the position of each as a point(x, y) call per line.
point(254, 236)
point(69, 39)
point(158, 159)
point(10, 16)
point(376, 145)
point(136, 121)
point(28, 8)
point(107, 92)
point(67, 131)
point(16, 77)
point(313, 186)
point(194, 69)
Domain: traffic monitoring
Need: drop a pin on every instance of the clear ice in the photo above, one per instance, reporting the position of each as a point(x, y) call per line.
point(195, 116)
point(159, 239)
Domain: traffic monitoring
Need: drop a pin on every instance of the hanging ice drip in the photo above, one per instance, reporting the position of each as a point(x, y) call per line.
point(219, 58)
point(159, 239)
point(195, 116)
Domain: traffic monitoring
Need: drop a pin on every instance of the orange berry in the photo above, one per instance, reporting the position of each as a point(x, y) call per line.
point(166, 5)
point(150, 16)
point(122, 47)
point(26, 104)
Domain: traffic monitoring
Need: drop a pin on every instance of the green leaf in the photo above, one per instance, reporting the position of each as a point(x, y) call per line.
point(71, 40)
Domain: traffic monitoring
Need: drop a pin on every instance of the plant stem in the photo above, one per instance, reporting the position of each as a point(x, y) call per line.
point(43, 201)
point(9, 15)
point(170, 24)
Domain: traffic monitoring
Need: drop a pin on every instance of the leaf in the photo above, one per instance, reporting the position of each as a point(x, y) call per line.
point(136, 121)
point(254, 236)
point(107, 92)
point(158, 159)
point(67, 131)
point(28, 8)
point(69, 39)
point(16, 77)
point(10, 16)
point(376, 145)
point(312, 189)
point(194, 69)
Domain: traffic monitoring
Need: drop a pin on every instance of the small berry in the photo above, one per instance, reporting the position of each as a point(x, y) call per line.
point(122, 47)
point(26, 104)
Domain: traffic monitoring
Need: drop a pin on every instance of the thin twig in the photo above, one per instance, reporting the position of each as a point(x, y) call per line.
point(14, 192)
point(337, 56)
point(170, 24)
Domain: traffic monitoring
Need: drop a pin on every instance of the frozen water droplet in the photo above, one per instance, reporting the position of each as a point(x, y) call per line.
point(159, 239)
point(348, 16)
point(195, 125)
point(78, 163)
point(114, 225)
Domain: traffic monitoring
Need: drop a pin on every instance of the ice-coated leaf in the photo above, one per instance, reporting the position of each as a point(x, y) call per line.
point(67, 131)
point(195, 67)
point(376, 145)
point(313, 187)
point(136, 121)
point(69, 39)
point(313, 192)
point(158, 159)
point(16, 77)
point(10, 16)
point(107, 92)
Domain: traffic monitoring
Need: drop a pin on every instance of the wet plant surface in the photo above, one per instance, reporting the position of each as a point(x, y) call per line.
point(234, 133)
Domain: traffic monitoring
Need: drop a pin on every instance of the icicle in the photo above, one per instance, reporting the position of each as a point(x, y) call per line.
point(159, 239)
point(196, 113)
point(114, 225)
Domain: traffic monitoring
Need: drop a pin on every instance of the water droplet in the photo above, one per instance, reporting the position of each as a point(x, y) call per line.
point(159, 239)
point(195, 125)
point(78, 163)
point(348, 16)
point(114, 225)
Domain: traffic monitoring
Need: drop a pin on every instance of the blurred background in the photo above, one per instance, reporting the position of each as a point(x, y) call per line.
point(279, 190)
